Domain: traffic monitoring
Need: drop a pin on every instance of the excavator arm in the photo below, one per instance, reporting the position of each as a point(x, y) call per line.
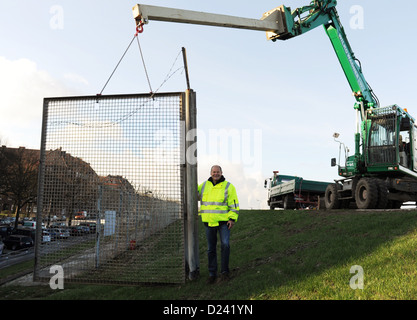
point(323, 12)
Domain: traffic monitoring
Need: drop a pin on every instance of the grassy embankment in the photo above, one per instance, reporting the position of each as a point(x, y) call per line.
point(288, 255)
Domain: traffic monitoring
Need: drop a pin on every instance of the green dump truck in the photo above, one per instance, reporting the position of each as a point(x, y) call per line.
point(292, 192)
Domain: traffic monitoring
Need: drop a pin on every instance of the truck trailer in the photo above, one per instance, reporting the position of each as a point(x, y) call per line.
point(292, 192)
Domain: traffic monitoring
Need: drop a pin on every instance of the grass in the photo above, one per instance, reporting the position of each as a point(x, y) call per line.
point(288, 255)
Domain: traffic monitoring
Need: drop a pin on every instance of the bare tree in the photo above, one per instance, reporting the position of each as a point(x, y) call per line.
point(19, 176)
point(71, 184)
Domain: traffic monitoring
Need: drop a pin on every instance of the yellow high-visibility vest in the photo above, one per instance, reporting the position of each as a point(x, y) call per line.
point(218, 202)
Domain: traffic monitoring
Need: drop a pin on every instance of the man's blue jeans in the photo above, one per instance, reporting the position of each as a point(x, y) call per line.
point(211, 233)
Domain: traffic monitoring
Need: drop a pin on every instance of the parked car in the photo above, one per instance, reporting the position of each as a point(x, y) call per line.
point(46, 237)
point(79, 230)
point(31, 232)
point(18, 241)
point(8, 220)
point(25, 231)
point(29, 224)
point(58, 225)
point(90, 225)
point(1, 246)
point(5, 230)
point(59, 233)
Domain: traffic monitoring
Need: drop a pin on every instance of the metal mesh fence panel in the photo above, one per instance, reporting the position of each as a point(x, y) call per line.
point(111, 189)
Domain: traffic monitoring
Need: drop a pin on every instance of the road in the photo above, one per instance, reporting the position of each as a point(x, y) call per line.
point(9, 257)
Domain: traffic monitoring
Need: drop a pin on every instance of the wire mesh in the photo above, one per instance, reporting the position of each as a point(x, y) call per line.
point(111, 189)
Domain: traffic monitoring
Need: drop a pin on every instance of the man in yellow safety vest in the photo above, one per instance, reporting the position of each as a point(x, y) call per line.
point(219, 210)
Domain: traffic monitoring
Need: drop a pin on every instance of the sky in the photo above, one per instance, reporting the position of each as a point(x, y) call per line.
point(261, 105)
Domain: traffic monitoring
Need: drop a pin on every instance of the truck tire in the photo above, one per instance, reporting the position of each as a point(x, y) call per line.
point(382, 202)
point(366, 193)
point(289, 202)
point(331, 197)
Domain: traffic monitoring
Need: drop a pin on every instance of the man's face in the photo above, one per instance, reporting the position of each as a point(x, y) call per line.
point(216, 173)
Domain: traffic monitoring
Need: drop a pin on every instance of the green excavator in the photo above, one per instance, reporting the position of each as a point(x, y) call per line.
point(382, 173)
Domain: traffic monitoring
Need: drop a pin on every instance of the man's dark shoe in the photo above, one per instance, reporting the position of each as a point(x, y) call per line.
point(224, 277)
point(211, 279)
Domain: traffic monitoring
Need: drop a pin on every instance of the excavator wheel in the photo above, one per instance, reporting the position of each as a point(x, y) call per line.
point(382, 194)
point(331, 196)
point(366, 193)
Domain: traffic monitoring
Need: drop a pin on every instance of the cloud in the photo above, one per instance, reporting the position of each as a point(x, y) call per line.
point(24, 86)
point(73, 77)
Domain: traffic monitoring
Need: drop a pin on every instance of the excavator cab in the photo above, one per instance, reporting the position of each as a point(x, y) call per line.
point(388, 144)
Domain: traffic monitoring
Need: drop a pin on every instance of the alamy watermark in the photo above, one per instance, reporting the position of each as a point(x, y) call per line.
point(357, 20)
point(57, 280)
point(356, 282)
point(238, 146)
point(235, 145)
point(56, 22)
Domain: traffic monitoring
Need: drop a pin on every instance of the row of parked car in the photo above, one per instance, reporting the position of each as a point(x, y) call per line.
point(24, 237)
point(16, 241)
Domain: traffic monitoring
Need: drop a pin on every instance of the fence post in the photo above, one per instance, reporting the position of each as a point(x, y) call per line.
point(191, 228)
point(98, 225)
point(40, 197)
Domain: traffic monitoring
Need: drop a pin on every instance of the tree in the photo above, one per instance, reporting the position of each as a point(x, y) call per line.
point(19, 169)
point(70, 185)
